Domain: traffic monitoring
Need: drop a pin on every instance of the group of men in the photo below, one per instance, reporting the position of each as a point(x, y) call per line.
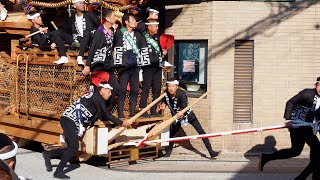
point(133, 51)
point(77, 31)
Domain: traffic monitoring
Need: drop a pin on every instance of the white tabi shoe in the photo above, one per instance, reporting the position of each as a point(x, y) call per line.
point(79, 60)
point(167, 64)
point(62, 60)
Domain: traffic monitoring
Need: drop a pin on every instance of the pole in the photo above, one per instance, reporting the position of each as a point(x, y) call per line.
point(115, 132)
point(32, 34)
point(154, 132)
point(315, 127)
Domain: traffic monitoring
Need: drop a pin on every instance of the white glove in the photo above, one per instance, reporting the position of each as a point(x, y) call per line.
point(82, 129)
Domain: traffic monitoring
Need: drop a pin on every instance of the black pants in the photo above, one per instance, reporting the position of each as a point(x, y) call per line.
point(61, 37)
point(115, 84)
point(128, 75)
point(306, 172)
point(70, 133)
point(174, 128)
point(300, 136)
point(152, 77)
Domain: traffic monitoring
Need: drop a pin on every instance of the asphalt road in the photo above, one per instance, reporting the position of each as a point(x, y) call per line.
point(31, 165)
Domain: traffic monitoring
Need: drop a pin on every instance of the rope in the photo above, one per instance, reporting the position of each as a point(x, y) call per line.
point(68, 2)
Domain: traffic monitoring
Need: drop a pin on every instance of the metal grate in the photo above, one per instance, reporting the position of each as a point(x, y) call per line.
point(243, 81)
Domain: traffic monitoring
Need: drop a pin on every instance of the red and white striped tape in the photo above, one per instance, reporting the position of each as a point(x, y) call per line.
point(140, 143)
point(211, 135)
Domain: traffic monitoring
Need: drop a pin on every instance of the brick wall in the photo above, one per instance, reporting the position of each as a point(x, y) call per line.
point(286, 52)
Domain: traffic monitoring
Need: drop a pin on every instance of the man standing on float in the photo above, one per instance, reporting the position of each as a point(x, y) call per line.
point(130, 53)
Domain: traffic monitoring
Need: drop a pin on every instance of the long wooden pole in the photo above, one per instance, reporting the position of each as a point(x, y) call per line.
point(115, 132)
point(154, 132)
point(32, 34)
point(69, 10)
point(54, 25)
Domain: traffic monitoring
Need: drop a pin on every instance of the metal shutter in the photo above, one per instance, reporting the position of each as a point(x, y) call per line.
point(243, 81)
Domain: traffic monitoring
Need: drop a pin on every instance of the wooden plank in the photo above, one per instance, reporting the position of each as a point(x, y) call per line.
point(18, 25)
point(134, 153)
point(115, 132)
point(37, 51)
point(45, 61)
point(152, 119)
point(53, 116)
point(20, 32)
point(40, 124)
point(31, 134)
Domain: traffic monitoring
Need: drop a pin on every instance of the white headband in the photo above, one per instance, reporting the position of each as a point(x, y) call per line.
point(153, 23)
point(153, 10)
point(176, 82)
point(106, 86)
point(33, 16)
point(10, 154)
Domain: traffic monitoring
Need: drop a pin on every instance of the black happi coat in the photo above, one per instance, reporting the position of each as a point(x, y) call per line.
point(100, 53)
point(92, 103)
point(302, 106)
point(178, 103)
point(155, 58)
point(40, 39)
point(91, 23)
point(121, 57)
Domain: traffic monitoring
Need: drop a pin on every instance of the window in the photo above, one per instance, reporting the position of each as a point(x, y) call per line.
point(243, 81)
point(190, 60)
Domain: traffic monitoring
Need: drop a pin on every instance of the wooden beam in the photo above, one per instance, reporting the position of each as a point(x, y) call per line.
point(32, 134)
point(163, 118)
point(20, 32)
point(18, 25)
point(37, 124)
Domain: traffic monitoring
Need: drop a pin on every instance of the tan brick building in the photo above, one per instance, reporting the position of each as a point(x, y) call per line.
point(285, 38)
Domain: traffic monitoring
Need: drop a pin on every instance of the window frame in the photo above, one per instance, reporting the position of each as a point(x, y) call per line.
point(174, 59)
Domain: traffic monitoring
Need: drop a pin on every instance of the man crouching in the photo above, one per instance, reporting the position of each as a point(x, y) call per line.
point(84, 111)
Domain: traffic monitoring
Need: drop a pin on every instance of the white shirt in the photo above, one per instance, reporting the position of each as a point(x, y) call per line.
point(127, 43)
point(79, 20)
point(318, 103)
